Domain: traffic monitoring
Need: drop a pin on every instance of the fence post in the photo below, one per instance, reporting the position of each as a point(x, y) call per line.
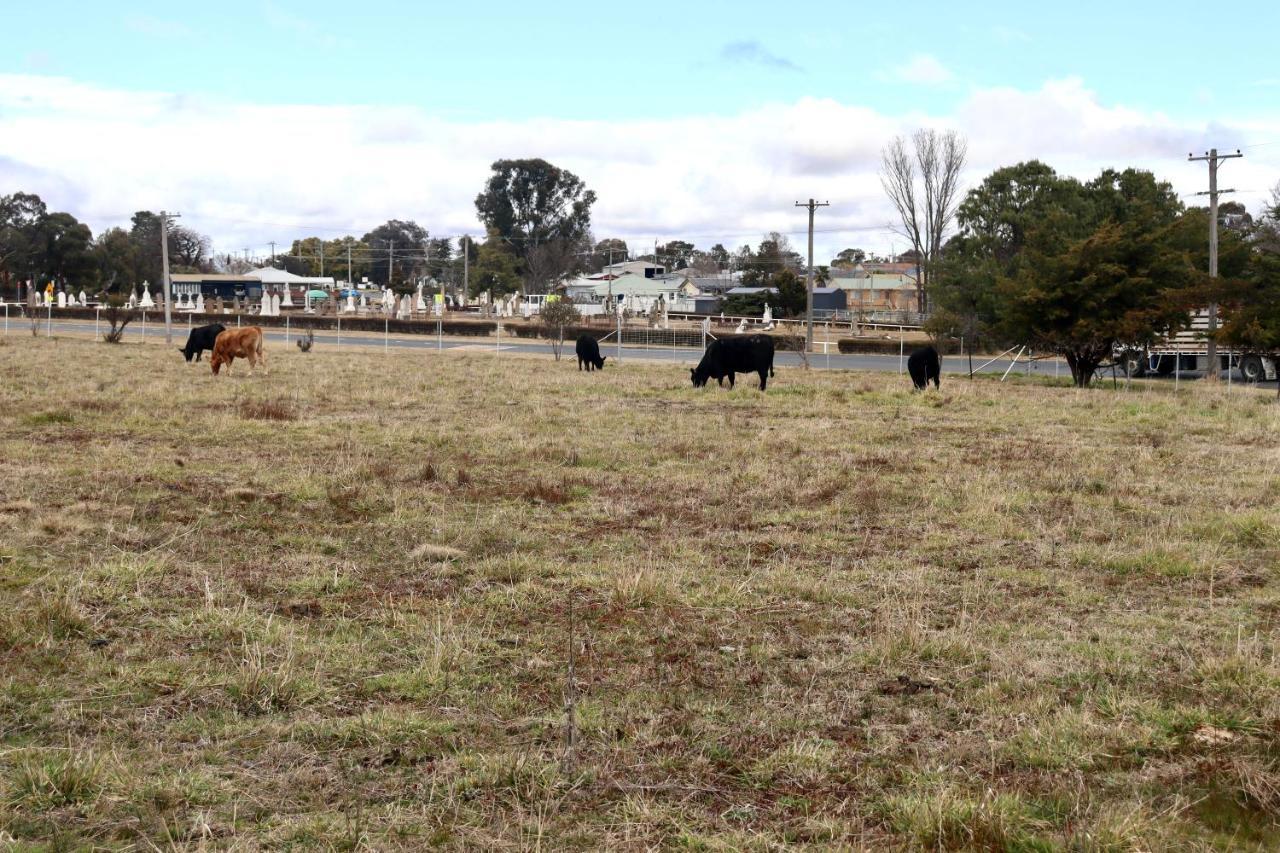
point(339, 346)
point(144, 327)
point(48, 329)
point(286, 329)
point(97, 313)
point(618, 314)
point(902, 342)
point(497, 337)
point(6, 321)
point(386, 333)
point(439, 334)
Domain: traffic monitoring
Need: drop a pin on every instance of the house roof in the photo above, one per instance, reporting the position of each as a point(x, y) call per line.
point(196, 277)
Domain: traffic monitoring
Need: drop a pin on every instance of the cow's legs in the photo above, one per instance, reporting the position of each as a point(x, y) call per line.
point(764, 375)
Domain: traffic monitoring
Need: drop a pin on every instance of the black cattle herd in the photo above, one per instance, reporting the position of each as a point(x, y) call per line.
point(723, 359)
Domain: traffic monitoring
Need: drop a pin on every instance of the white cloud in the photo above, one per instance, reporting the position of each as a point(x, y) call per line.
point(248, 173)
point(925, 70)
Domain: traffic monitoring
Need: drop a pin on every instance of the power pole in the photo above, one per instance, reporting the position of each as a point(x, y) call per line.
point(351, 280)
point(322, 258)
point(164, 263)
point(466, 269)
point(273, 252)
point(391, 263)
point(808, 299)
point(1213, 158)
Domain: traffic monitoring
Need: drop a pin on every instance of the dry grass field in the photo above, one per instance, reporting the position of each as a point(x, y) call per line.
point(346, 606)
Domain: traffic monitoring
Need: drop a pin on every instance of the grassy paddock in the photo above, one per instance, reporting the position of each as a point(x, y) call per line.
point(333, 606)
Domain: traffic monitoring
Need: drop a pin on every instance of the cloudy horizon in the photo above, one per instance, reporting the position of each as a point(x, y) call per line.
point(249, 170)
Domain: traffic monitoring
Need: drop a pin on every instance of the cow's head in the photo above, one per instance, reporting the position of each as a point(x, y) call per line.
point(215, 362)
point(186, 353)
point(699, 379)
point(600, 362)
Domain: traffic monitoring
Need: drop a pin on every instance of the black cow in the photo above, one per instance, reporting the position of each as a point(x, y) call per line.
point(727, 356)
point(201, 339)
point(924, 367)
point(588, 349)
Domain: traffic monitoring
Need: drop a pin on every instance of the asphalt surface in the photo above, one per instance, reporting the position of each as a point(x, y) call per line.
point(686, 356)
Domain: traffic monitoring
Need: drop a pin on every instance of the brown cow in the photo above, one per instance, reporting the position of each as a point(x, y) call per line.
point(238, 343)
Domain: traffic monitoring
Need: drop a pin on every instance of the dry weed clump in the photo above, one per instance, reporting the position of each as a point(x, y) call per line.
point(268, 410)
point(834, 615)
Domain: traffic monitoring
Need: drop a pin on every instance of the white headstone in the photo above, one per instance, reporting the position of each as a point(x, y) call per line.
point(286, 301)
point(146, 299)
point(62, 299)
point(133, 299)
point(768, 315)
point(420, 304)
point(350, 307)
point(276, 302)
point(200, 302)
point(742, 327)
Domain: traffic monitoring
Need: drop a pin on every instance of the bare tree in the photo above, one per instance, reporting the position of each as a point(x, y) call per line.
point(547, 263)
point(923, 182)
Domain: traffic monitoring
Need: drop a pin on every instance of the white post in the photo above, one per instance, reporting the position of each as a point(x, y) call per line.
point(144, 327)
point(439, 334)
point(97, 312)
point(339, 346)
point(1177, 369)
point(618, 314)
point(497, 337)
point(386, 333)
point(6, 321)
point(286, 329)
point(48, 329)
point(901, 347)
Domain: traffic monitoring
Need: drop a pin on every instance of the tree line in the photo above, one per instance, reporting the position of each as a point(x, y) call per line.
point(1084, 268)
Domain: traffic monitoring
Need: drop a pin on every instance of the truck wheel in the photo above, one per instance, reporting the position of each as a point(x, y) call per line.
point(1135, 363)
point(1251, 368)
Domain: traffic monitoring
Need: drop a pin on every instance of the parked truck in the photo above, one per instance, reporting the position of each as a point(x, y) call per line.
point(1188, 351)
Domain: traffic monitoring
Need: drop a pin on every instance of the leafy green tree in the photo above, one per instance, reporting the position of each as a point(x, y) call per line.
point(19, 215)
point(397, 251)
point(63, 248)
point(792, 293)
point(1249, 307)
point(529, 203)
point(676, 254)
point(1125, 283)
point(847, 259)
point(117, 260)
point(745, 304)
point(720, 255)
point(610, 250)
point(496, 270)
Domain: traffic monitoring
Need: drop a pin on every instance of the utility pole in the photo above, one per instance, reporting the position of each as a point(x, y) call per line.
point(322, 258)
point(351, 280)
point(808, 300)
point(466, 269)
point(273, 252)
point(1213, 158)
point(391, 263)
point(164, 263)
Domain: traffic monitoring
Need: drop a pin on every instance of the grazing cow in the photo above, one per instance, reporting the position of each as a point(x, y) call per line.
point(588, 349)
point(924, 367)
point(238, 343)
point(201, 339)
point(727, 356)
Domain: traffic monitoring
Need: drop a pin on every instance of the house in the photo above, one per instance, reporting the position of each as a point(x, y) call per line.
point(276, 280)
point(875, 291)
point(213, 285)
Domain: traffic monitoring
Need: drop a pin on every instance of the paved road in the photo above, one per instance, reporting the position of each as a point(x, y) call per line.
point(677, 355)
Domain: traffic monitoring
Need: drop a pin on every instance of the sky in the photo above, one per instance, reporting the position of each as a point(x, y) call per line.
point(268, 121)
